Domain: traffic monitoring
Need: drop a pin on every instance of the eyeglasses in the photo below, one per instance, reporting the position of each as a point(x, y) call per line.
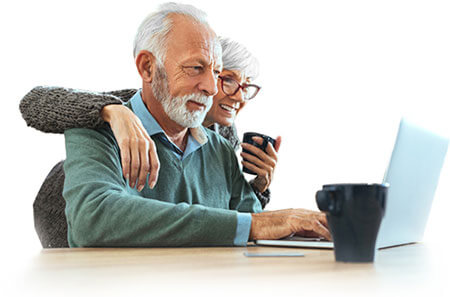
point(230, 86)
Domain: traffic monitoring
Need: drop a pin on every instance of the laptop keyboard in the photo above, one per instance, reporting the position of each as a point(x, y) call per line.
point(300, 238)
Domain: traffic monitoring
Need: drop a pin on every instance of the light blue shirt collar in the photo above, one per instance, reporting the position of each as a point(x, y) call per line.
point(196, 138)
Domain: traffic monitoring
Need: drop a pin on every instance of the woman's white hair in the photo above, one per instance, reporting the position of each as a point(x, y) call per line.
point(153, 31)
point(236, 57)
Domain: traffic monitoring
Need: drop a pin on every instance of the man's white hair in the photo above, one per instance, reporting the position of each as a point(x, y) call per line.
point(236, 57)
point(153, 31)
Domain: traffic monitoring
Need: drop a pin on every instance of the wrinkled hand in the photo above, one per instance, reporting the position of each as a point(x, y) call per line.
point(264, 164)
point(282, 223)
point(137, 149)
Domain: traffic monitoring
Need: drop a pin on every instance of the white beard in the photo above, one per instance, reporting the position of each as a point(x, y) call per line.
point(175, 107)
point(178, 112)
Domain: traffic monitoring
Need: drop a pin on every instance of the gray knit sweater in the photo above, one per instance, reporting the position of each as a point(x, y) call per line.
point(55, 109)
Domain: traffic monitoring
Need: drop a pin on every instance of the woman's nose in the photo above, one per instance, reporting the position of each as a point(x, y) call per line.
point(239, 96)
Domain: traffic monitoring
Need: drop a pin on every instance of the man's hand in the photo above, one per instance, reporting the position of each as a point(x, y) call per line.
point(264, 164)
point(282, 223)
point(137, 149)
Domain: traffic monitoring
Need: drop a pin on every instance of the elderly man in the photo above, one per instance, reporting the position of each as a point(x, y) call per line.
point(201, 197)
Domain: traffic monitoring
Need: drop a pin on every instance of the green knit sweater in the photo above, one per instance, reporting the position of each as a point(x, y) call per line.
point(194, 202)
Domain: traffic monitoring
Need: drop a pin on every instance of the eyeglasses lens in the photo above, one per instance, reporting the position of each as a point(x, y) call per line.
point(230, 87)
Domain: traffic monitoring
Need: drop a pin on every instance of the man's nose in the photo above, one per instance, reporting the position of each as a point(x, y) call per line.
point(208, 83)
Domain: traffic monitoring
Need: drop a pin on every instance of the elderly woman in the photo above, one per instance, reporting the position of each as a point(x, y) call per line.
point(56, 109)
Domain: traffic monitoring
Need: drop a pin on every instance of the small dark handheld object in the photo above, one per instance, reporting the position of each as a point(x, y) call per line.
point(248, 139)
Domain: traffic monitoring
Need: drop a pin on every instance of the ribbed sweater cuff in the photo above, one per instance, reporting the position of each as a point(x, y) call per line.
point(244, 223)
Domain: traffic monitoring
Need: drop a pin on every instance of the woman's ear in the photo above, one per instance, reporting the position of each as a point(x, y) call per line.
point(146, 63)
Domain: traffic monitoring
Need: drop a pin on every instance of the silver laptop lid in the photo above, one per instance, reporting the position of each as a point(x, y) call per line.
point(413, 176)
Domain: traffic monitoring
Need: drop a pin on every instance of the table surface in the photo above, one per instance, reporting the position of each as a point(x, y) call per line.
point(417, 269)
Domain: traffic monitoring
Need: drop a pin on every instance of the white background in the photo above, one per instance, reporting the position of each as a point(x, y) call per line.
point(337, 77)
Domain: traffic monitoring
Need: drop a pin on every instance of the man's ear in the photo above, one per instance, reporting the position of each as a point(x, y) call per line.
point(146, 65)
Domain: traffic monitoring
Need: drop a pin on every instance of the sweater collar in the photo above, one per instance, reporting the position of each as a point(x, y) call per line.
point(196, 138)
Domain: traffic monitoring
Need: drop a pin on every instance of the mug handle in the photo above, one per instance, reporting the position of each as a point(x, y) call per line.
point(329, 201)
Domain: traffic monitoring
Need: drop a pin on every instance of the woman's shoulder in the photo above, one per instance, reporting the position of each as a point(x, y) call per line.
point(230, 134)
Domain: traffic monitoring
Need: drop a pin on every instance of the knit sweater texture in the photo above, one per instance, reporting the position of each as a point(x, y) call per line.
point(194, 202)
point(56, 109)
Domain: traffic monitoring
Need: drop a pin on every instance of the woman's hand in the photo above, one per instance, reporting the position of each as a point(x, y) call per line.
point(264, 164)
point(137, 149)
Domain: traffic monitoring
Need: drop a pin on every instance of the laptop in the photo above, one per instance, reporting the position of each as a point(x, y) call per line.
point(413, 176)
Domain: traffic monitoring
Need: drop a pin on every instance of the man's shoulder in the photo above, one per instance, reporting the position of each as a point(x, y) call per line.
point(89, 136)
point(215, 139)
point(218, 137)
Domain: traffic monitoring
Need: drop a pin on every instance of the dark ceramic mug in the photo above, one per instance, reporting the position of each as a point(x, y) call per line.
point(248, 138)
point(354, 213)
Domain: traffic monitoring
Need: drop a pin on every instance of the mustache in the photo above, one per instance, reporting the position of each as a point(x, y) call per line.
point(199, 98)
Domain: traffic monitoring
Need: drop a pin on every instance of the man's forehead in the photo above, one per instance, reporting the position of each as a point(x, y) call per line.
point(208, 47)
point(217, 52)
point(189, 37)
